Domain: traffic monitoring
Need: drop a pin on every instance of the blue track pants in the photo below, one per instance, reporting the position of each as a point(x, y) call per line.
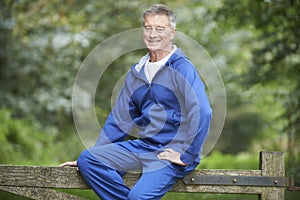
point(102, 168)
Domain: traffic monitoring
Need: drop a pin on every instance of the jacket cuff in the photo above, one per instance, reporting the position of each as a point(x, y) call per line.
point(188, 158)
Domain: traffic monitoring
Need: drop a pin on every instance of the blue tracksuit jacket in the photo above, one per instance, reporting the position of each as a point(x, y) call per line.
point(172, 111)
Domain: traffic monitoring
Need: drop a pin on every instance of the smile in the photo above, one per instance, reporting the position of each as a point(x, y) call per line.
point(154, 41)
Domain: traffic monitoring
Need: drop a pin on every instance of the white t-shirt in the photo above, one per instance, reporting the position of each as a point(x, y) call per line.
point(151, 68)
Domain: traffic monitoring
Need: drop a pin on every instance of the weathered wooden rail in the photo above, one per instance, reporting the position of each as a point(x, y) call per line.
point(268, 182)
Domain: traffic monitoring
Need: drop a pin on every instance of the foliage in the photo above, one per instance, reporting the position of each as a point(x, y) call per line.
point(218, 160)
point(21, 139)
point(23, 142)
point(275, 57)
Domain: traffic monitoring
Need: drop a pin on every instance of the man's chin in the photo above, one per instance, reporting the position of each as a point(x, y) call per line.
point(154, 45)
point(155, 48)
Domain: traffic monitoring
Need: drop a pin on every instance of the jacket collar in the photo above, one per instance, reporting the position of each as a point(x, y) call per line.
point(176, 55)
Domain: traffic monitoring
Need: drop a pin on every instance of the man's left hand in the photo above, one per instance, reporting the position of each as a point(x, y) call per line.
point(172, 156)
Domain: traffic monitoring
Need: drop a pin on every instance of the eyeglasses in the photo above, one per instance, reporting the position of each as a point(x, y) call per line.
point(158, 30)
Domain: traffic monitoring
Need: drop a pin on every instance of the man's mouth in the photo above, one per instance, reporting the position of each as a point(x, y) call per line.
point(154, 41)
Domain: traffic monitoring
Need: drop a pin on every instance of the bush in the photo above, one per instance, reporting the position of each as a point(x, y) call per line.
point(217, 160)
point(23, 142)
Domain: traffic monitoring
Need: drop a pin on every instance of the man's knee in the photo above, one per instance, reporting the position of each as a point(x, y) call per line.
point(88, 164)
point(84, 161)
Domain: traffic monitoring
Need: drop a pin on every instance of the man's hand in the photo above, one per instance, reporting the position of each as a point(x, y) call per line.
point(69, 164)
point(172, 156)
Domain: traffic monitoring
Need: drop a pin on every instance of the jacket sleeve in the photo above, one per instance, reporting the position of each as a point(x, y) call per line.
point(118, 124)
point(198, 113)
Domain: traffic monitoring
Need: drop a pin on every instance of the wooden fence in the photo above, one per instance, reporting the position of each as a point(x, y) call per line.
point(38, 182)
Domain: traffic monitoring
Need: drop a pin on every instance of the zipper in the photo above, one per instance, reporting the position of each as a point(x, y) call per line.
point(160, 69)
point(142, 78)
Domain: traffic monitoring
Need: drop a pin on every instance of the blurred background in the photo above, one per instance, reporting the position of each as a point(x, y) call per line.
point(255, 45)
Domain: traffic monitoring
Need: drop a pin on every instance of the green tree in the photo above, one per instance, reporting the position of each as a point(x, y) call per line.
point(275, 61)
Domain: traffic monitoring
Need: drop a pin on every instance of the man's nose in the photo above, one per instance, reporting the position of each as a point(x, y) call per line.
point(153, 33)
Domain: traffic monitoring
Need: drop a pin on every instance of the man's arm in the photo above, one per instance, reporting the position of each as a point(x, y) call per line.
point(198, 114)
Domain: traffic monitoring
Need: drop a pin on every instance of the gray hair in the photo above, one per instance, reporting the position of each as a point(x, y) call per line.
point(160, 9)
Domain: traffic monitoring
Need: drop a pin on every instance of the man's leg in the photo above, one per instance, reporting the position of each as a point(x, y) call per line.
point(100, 166)
point(155, 184)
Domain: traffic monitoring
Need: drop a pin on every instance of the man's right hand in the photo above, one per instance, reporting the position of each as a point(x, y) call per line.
point(69, 164)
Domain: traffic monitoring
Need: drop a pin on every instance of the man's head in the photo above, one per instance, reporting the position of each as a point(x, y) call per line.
point(159, 27)
point(160, 9)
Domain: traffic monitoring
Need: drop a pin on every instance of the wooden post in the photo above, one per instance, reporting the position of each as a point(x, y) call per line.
point(272, 164)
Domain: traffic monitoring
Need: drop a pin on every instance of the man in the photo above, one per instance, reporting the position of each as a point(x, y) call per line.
point(164, 98)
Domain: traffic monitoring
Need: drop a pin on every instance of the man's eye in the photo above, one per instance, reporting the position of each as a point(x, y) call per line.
point(160, 30)
point(148, 29)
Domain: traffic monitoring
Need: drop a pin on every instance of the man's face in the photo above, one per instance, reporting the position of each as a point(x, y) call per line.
point(158, 34)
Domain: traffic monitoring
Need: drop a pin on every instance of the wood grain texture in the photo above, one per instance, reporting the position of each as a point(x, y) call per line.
point(39, 193)
point(272, 164)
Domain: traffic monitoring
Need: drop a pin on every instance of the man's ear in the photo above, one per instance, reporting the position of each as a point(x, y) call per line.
point(173, 33)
